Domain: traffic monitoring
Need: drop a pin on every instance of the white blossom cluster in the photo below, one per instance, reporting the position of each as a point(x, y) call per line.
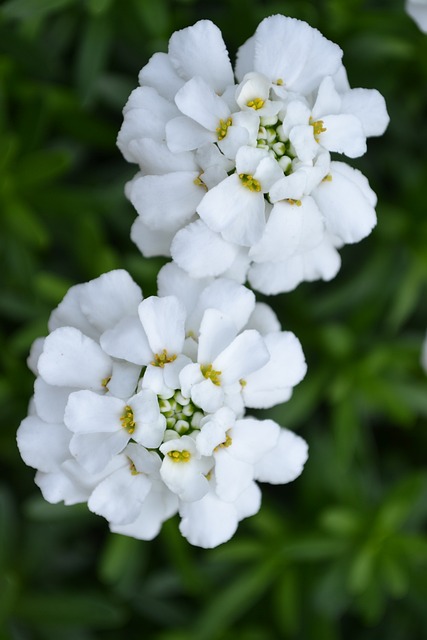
point(139, 404)
point(236, 176)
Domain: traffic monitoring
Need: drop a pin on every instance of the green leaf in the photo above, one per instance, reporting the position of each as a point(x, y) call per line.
point(24, 9)
point(93, 55)
point(85, 608)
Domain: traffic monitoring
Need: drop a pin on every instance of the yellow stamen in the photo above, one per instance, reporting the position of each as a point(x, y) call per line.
point(105, 382)
point(227, 443)
point(256, 103)
point(210, 374)
point(317, 127)
point(250, 182)
point(223, 128)
point(243, 382)
point(327, 178)
point(199, 182)
point(179, 456)
point(133, 469)
point(297, 202)
point(280, 82)
point(160, 359)
point(127, 420)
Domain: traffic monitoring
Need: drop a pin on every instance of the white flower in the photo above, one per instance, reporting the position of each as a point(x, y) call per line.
point(139, 410)
point(219, 153)
point(417, 9)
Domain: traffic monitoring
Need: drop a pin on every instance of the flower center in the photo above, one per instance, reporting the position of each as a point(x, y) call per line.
point(179, 456)
point(318, 128)
point(250, 183)
point(160, 359)
point(256, 103)
point(180, 413)
point(223, 128)
point(127, 420)
point(209, 372)
point(271, 137)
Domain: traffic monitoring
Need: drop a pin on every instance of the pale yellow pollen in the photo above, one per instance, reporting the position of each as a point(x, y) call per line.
point(317, 127)
point(160, 359)
point(223, 128)
point(210, 374)
point(256, 103)
point(179, 456)
point(227, 443)
point(291, 201)
point(250, 182)
point(127, 420)
point(199, 182)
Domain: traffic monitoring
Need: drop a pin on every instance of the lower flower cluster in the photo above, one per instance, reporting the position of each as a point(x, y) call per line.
point(139, 405)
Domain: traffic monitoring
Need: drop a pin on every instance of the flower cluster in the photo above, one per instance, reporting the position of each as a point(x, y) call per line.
point(139, 404)
point(243, 170)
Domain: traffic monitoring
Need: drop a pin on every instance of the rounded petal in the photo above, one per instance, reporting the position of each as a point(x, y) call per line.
point(200, 51)
point(198, 100)
point(202, 252)
point(95, 451)
point(127, 341)
point(184, 134)
point(208, 522)
point(88, 412)
point(71, 359)
point(263, 319)
point(344, 134)
point(245, 354)
point(50, 401)
point(369, 106)
point(285, 462)
point(160, 74)
point(227, 296)
point(155, 158)
point(42, 445)
point(151, 242)
point(163, 320)
point(217, 331)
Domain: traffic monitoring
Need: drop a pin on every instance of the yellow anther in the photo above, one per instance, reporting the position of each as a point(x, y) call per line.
point(133, 469)
point(179, 456)
point(256, 103)
point(243, 382)
point(160, 359)
point(223, 128)
point(317, 127)
point(280, 82)
point(210, 374)
point(105, 382)
point(199, 182)
point(250, 182)
point(227, 443)
point(297, 202)
point(327, 178)
point(127, 420)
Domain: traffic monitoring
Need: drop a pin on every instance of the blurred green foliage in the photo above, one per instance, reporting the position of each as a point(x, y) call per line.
point(340, 553)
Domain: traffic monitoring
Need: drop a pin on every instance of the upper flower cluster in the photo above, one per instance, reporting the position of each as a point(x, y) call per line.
point(242, 169)
point(139, 404)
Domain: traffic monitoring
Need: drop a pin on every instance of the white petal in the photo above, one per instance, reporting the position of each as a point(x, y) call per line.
point(252, 439)
point(233, 210)
point(71, 359)
point(245, 59)
point(166, 202)
point(186, 479)
point(202, 252)
point(118, 498)
point(208, 396)
point(42, 445)
point(124, 379)
point(208, 522)
point(344, 134)
point(292, 51)
point(70, 314)
point(184, 134)
point(158, 506)
point(217, 331)
point(328, 100)
point(198, 100)
point(263, 319)
point(227, 296)
point(95, 451)
point(200, 51)
point(50, 401)
point(127, 341)
point(210, 436)
point(245, 354)
point(34, 355)
point(303, 141)
point(160, 74)
point(155, 158)
point(109, 298)
point(249, 502)
point(285, 462)
point(369, 107)
point(151, 242)
point(172, 280)
point(348, 213)
point(88, 412)
point(272, 384)
point(289, 187)
point(163, 320)
point(232, 476)
point(290, 229)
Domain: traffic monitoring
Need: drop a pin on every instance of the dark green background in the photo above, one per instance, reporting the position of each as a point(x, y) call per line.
point(342, 552)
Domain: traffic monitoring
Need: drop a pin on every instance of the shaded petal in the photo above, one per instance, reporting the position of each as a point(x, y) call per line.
point(200, 51)
point(245, 354)
point(163, 320)
point(160, 74)
point(88, 412)
point(71, 359)
point(171, 280)
point(42, 445)
point(245, 59)
point(208, 522)
point(198, 101)
point(344, 134)
point(217, 331)
point(227, 296)
point(252, 439)
point(249, 502)
point(184, 134)
point(127, 341)
point(201, 251)
point(155, 158)
point(263, 319)
point(285, 462)
point(151, 242)
point(50, 401)
point(232, 476)
point(369, 106)
point(95, 451)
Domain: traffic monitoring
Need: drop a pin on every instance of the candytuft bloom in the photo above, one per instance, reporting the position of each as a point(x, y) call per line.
point(238, 163)
point(139, 404)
